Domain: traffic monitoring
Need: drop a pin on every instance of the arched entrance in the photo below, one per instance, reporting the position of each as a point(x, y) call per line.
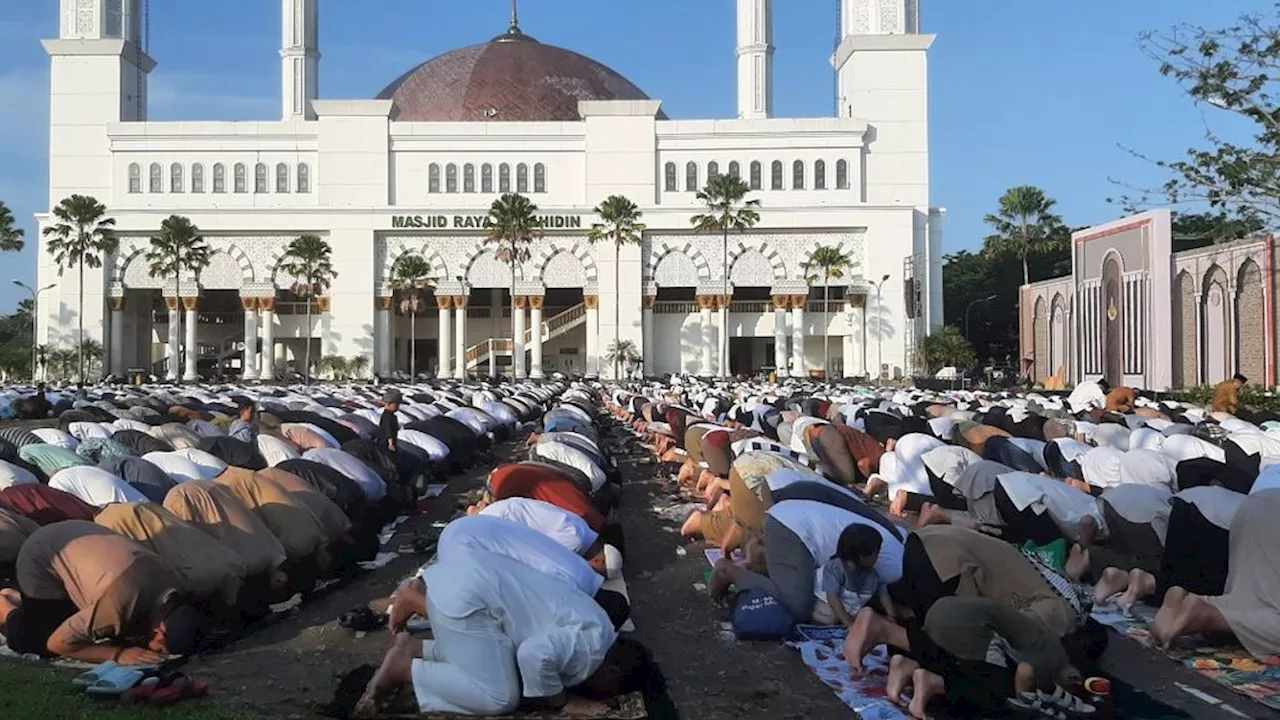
point(1113, 323)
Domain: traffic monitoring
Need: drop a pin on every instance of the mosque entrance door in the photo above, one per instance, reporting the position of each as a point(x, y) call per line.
point(1113, 323)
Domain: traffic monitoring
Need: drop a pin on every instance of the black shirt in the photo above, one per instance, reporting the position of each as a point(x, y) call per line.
point(388, 427)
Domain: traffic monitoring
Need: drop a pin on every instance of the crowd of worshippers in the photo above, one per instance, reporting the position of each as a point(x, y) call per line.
point(519, 613)
point(1157, 502)
point(151, 523)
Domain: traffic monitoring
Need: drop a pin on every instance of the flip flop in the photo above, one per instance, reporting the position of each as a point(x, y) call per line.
point(362, 619)
point(116, 682)
point(178, 687)
point(86, 679)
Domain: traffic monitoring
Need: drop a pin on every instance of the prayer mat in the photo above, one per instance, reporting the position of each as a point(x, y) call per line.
point(1228, 666)
point(619, 585)
point(627, 707)
point(822, 649)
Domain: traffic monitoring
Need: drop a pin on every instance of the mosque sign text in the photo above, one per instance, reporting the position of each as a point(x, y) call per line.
point(467, 222)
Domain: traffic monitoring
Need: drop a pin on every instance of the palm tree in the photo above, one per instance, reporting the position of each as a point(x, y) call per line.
point(92, 352)
point(357, 365)
point(82, 235)
point(513, 226)
point(10, 236)
point(728, 210)
point(335, 365)
point(1024, 226)
point(946, 347)
point(831, 261)
point(621, 352)
point(42, 359)
point(62, 359)
point(178, 247)
point(413, 274)
point(620, 224)
point(309, 260)
point(26, 309)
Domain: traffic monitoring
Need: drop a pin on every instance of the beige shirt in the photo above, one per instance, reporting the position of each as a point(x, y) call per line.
point(293, 524)
point(333, 521)
point(118, 585)
point(206, 567)
point(219, 513)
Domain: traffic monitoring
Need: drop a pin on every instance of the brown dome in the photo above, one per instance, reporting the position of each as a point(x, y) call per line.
point(511, 78)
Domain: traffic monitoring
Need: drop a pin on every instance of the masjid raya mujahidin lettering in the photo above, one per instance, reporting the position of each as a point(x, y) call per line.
point(464, 222)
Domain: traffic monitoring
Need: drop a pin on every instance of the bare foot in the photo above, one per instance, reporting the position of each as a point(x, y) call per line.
point(901, 669)
point(395, 670)
point(1162, 628)
point(925, 687)
point(1080, 485)
point(862, 635)
point(692, 527)
point(874, 485)
point(1113, 580)
point(687, 471)
point(899, 505)
point(1141, 585)
point(1077, 562)
point(582, 707)
point(933, 514)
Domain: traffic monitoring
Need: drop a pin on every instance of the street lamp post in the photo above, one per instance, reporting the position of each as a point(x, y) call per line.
point(979, 301)
point(879, 333)
point(35, 317)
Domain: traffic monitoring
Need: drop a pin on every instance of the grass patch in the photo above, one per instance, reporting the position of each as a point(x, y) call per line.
point(39, 691)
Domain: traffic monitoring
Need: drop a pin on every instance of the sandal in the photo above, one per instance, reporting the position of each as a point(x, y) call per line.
point(176, 688)
point(362, 619)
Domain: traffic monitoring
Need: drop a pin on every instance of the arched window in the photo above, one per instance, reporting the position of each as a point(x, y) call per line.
point(756, 173)
point(433, 178)
point(522, 178)
point(691, 177)
point(451, 178)
point(157, 178)
point(775, 171)
point(797, 175)
point(282, 178)
point(486, 178)
point(842, 175)
point(177, 179)
point(219, 178)
point(539, 178)
point(135, 178)
point(304, 178)
point(241, 182)
point(468, 178)
point(670, 177)
point(504, 178)
point(197, 178)
point(713, 170)
point(735, 170)
point(820, 175)
point(260, 179)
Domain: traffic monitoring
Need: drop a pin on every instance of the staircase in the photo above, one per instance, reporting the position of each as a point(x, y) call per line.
point(553, 327)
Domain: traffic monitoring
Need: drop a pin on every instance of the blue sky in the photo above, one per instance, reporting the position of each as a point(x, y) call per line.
point(1022, 91)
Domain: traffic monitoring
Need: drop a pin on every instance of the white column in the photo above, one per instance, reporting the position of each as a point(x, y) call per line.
point(781, 353)
point(1200, 353)
point(444, 346)
point(460, 338)
point(300, 58)
point(517, 339)
point(535, 342)
point(250, 361)
point(847, 361)
point(268, 322)
point(593, 335)
point(175, 340)
point(117, 336)
point(797, 336)
point(755, 59)
point(646, 325)
point(193, 350)
point(385, 342)
point(723, 337)
point(708, 334)
point(1229, 300)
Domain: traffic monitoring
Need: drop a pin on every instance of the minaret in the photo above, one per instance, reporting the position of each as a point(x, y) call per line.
point(755, 59)
point(300, 58)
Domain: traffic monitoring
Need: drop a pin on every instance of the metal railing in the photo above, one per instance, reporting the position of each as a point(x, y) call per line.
point(675, 308)
point(751, 306)
point(552, 328)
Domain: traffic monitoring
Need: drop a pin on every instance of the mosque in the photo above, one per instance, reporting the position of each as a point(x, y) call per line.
point(414, 171)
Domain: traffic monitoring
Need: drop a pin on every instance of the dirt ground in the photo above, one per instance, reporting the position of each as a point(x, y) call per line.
point(292, 668)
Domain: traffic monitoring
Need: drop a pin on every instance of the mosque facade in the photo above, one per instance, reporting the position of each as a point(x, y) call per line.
point(414, 171)
point(1138, 314)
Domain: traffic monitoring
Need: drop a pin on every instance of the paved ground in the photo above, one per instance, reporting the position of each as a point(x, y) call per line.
point(291, 669)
